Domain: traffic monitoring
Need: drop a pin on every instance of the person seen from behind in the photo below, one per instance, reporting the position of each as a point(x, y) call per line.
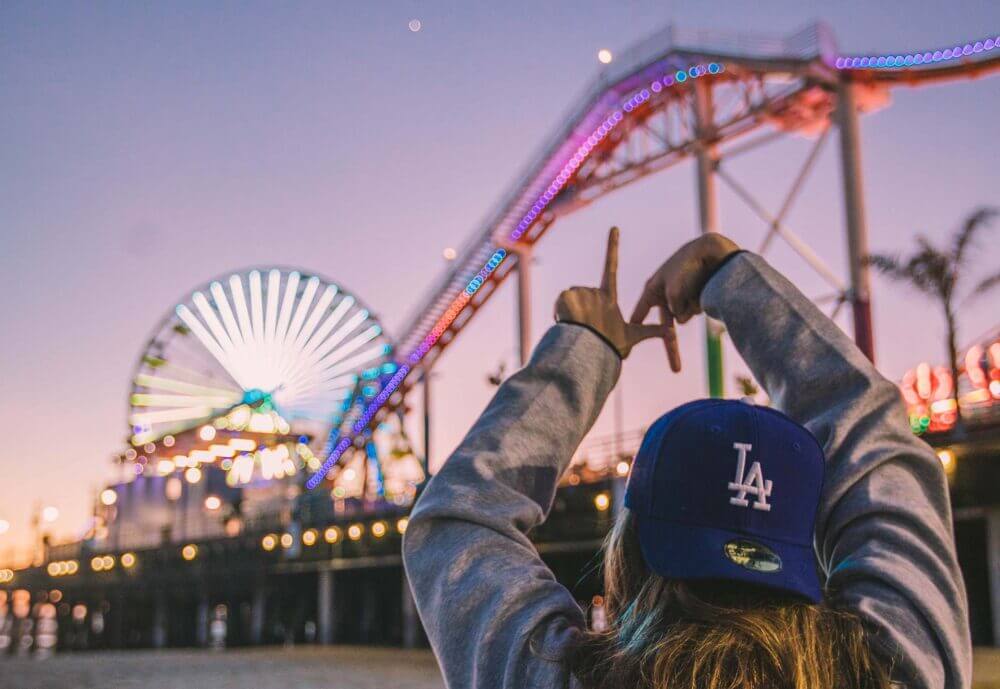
point(806, 548)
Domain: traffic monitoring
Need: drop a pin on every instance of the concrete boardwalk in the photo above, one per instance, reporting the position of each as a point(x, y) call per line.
point(344, 667)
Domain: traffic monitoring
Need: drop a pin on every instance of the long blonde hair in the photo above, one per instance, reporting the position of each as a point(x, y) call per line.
point(669, 634)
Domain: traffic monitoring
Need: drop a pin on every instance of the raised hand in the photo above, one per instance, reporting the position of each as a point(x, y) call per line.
point(675, 288)
point(597, 308)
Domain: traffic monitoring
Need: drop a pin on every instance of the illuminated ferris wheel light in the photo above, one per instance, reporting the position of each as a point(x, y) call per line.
point(273, 341)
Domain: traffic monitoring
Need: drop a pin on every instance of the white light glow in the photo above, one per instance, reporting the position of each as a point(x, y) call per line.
point(261, 335)
point(222, 450)
point(201, 456)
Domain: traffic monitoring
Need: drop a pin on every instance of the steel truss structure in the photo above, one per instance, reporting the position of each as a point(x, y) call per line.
point(704, 95)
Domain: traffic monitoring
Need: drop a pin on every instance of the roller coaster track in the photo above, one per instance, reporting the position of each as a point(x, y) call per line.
point(637, 117)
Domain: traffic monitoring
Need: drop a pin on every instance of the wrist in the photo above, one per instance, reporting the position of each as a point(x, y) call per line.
point(723, 261)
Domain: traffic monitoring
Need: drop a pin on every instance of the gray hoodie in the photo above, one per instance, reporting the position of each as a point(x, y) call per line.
point(883, 532)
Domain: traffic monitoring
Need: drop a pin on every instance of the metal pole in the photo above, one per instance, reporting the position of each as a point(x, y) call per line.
point(854, 206)
point(324, 606)
point(524, 303)
point(993, 560)
point(257, 614)
point(707, 159)
point(619, 421)
point(159, 635)
point(426, 385)
point(201, 621)
point(411, 620)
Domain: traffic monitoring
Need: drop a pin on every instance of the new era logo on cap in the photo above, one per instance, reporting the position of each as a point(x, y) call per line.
point(723, 489)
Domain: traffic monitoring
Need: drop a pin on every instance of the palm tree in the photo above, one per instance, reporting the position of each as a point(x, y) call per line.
point(938, 272)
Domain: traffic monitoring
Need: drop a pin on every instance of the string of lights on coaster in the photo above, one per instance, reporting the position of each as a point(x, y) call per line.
point(338, 445)
point(916, 59)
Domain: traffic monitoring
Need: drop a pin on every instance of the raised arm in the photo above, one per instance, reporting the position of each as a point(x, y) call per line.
point(884, 530)
point(495, 616)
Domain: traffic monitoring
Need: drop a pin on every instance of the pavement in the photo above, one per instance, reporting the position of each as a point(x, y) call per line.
point(986, 668)
point(338, 667)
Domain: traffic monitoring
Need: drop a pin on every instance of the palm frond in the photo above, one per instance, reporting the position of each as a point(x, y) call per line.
point(916, 271)
point(986, 285)
point(965, 237)
point(884, 263)
point(931, 270)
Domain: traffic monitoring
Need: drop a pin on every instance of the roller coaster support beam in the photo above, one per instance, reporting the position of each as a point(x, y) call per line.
point(854, 206)
point(708, 217)
point(524, 303)
point(425, 380)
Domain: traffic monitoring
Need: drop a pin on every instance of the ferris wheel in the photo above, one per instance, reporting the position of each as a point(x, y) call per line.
point(283, 342)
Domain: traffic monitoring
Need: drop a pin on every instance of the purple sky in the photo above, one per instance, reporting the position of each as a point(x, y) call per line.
point(147, 148)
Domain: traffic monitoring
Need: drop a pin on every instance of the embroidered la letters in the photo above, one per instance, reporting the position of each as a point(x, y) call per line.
point(750, 483)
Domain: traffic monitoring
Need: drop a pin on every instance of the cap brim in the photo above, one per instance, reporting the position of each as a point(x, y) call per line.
point(678, 551)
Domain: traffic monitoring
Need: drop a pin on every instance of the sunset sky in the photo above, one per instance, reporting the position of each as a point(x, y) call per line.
point(147, 148)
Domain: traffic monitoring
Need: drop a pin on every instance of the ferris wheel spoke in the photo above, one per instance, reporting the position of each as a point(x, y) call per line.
point(308, 294)
point(307, 358)
point(291, 291)
point(320, 336)
point(295, 352)
point(210, 344)
point(239, 299)
point(152, 400)
point(356, 361)
point(190, 362)
point(232, 328)
point(354, 344)
point(271, 310)
point(257, 307)
point(154, 417)
point(327, 400)
point(152, 382)
point(327, 385)
point(318, 368)
point(208, 315)
point(293, 355)
point(310, 326)
point(346, 329)
point(222, 304)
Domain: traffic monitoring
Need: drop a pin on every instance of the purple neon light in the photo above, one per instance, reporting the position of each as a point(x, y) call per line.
point(359, 425)
point(915, 59)
point(600, 133)
point(500, 254)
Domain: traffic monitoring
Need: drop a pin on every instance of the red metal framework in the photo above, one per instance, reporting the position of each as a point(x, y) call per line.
point(676, 95)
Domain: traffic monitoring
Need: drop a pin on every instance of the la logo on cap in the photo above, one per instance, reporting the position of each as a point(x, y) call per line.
point(750, 483)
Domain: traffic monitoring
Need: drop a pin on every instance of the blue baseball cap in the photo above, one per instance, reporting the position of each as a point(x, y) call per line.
point(728, 490)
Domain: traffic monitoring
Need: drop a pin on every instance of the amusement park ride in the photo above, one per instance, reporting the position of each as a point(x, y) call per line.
point(270, 374)
point(267, 385)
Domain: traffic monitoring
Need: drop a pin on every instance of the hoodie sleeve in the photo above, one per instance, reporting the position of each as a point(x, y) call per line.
point(884, 529)
point(495, 615)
